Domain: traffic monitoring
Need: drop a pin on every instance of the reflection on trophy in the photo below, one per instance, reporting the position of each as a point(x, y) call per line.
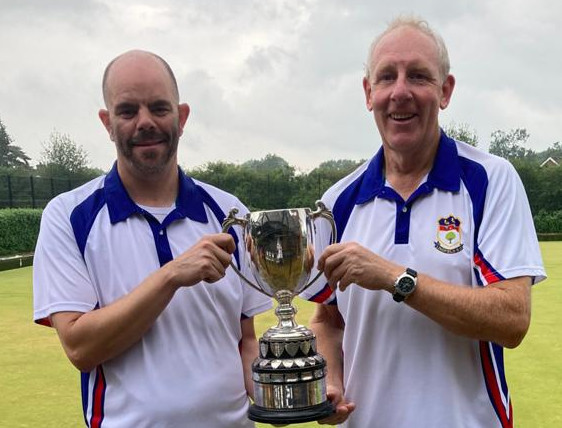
point(289, 375)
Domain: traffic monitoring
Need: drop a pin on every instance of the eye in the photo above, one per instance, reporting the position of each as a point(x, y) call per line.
point(385, 77)
point(161, 109)
point(420, 77)
point(126, 111)
point(417, 76)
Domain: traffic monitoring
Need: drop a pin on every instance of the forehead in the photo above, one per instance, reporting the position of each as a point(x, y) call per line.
point(139, 78)
point(407, 46)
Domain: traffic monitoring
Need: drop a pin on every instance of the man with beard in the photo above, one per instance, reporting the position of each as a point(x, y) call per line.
point(131, 270)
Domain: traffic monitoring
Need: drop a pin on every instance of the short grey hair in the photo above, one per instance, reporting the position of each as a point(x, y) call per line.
point(422, 26)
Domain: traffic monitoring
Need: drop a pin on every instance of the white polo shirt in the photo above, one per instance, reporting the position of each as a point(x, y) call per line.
point(468, 223)
point(95, 245)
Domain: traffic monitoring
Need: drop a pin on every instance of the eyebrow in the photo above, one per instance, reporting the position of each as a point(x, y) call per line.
point(125, 105)
point(160, 103)
point(391, 66)
point(132, 104)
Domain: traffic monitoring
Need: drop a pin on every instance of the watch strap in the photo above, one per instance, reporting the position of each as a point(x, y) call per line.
point(411, 272)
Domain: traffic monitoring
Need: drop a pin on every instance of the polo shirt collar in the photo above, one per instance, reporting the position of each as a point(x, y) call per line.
point(189, 202)
point(444, 175)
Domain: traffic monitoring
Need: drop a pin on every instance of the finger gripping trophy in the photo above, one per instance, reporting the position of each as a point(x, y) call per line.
point(288, 375)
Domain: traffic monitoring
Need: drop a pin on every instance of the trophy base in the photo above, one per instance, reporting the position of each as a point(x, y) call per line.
point(293, 416)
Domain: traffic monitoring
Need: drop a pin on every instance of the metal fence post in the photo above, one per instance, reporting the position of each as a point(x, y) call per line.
point(10, 196)
point(32, 191)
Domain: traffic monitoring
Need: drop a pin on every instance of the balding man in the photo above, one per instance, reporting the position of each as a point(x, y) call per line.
point(434, 263)
point(131, 270)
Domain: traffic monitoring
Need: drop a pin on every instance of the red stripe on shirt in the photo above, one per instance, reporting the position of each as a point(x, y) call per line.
point(323, 295)
point(490, 274)
point(493, 388)
point(98, 397)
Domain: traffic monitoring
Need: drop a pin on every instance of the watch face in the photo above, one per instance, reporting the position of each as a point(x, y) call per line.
point(406, 284)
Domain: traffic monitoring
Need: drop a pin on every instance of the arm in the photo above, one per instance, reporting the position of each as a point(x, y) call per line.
point(248, 352)
point(92, 338)
point(327, 324)
point(499, 312)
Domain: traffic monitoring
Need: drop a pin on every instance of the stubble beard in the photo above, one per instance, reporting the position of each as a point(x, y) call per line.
point(150, 162)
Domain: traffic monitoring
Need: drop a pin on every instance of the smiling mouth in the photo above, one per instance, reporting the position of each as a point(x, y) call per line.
point(149, 140)
point(147, 143)
point(401, 117)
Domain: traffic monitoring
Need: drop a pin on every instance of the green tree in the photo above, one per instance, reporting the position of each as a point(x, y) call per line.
point(257, 184)
point(311, 186)
point(10, 155)
point(509, 145)
point(270, 162)
point(223, 175)
point(554, 152)
point(542, 185)
point(339, 168)
point(450, 236)
point(271, 182)
point(462, 132)
point(61, 156)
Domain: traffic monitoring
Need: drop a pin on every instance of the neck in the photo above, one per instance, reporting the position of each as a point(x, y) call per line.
point(155, 190)
point(404, 171)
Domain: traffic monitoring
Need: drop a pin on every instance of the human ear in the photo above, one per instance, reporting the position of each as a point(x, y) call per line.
point(183, 112)
point(105, 120)
point(368, 90)
point(447, 91)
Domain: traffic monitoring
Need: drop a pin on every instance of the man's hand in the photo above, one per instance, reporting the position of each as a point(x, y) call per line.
point(350, 263)
point(206, 261)
point(343, 408)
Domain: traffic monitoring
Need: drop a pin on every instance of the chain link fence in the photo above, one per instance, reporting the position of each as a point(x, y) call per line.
point(32, 191)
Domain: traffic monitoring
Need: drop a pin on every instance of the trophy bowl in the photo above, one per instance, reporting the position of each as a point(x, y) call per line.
point(288, 375)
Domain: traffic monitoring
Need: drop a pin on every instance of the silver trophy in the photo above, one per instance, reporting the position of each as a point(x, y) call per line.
point(288, 375)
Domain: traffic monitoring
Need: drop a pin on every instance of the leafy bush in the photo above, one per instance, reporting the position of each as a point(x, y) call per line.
point(548, 221)
point(18, 230)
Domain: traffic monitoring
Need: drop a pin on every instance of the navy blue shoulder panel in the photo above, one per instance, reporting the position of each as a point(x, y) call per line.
point(344, 204)
point(83, 216)
point(475, 179)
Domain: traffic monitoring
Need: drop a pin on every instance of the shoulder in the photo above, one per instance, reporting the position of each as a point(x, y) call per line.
point(492, 164)
point(487, 176)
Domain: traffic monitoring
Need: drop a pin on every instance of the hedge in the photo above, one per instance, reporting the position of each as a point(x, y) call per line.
point(548, 222)
point(19, 228)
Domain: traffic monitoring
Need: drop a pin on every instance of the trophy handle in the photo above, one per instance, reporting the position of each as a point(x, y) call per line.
point(324, 212)
point(232, 221)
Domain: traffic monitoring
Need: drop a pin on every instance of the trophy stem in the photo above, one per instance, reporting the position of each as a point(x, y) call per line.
point(285, 311)
point(289, 375)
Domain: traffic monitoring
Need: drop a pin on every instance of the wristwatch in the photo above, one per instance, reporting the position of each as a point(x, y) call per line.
point(405, 285)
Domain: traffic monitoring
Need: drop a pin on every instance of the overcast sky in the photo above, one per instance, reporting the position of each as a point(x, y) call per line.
point(272, 76)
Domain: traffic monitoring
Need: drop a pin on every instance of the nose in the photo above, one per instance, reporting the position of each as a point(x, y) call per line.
point(145, 121)
point(401, 91)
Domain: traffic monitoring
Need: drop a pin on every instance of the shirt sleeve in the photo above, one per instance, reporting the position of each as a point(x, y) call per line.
point(60, 277)
point(507, 244)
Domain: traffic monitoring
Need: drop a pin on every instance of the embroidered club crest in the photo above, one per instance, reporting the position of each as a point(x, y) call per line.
point(449, 235)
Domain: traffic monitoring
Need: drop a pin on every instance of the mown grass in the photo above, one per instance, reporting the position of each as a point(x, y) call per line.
point(39, 387)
